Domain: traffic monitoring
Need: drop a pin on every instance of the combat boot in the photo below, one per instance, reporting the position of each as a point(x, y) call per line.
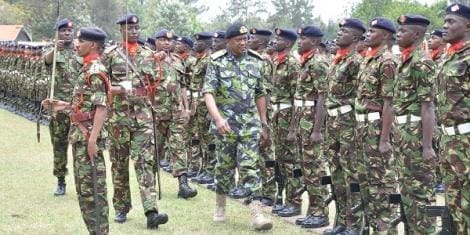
point(219, 213)
point(154, 219)
point(184, 190)
point(258, 220)
point(60, 190)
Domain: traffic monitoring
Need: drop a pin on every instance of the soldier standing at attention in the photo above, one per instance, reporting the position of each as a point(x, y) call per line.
point(218, 41)
point(414, 123)
point(374, 121)
point(130, 122)
point(87, 110)
point(67, 66)
point(235, 97)
point(453, 110)
point(437, 46)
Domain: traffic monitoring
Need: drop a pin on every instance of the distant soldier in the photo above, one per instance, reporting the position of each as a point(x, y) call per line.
point(454, 114)
point(437, 46)
point(183, 47)
point(218, 41)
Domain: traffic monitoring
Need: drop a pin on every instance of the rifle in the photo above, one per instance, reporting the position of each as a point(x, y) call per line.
point(326, 180)
point(355, 188)
point(447, 220)
point(395, 198)
point(278, 178)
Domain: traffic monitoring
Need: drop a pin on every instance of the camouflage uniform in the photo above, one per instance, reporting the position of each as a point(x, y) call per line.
point(376, 170)
point(340, 139)
point(453, 116)
point(414, 85)
point(311, 82)
point(131, 128)
point(235, 83)
point(89, 92)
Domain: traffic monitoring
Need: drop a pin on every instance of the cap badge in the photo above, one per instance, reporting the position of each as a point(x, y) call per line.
point(243, 29)
point(455, 8)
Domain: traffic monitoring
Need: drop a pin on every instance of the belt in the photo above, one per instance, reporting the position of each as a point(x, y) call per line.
point(140, 91)
point(304, 103)
point(340, 110)
point(368, 117)
point(281, 106)
point(402, 119)
point(456, 130)
point(195, 95)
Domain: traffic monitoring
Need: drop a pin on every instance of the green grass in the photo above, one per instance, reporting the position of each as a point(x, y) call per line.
point(27, 204)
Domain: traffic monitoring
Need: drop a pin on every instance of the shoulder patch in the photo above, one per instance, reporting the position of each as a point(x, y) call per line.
point(255, 54)
point(218, 54)
point(109, 49)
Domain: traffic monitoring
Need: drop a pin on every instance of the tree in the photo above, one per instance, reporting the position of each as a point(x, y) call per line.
point(291, 13)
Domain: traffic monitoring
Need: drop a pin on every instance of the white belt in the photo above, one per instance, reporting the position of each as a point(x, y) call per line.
point(342, 109)
point(369, 117)
point(407, 118)
point(304, 103)
point(195, 95)
point(456, 130)
point(281, 106)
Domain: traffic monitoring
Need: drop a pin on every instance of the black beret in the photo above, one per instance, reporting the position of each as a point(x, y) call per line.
point(151, 41)
point(310, 31)
point(175, 37)
point(141, 41)
point(437, 32)
point(459, 9)
point(94, 34)
point(286, 33)
point(353, 23)
point(262, 32)
point(203, 35)
point(128, 18)
point(413, 20)
point(219, 34)
point(163, 34)
point(383, 23)
point(63, 23)
point(236, 29)
point(186, 41)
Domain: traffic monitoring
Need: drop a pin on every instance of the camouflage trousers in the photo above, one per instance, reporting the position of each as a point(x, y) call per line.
point(455, 164)
point(377, 176)
point(416, 177)
point(266, 154)
point(59, 127)
point(287, 155)
point(341, 152)
point(171, 141)
point(94, 213)
point(313, 163)
point(241, 151)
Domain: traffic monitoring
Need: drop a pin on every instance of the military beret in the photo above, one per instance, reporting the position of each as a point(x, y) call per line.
point(310, 31)
point(94, 34)
point(353, 23)
point(128, 19)
point(141, 41)
point(262, 32)
point(459, 9)
point(219, 34)
point(203, 35)
point(236, 29)
point(286, 33)
point(63, 23)
point(383, 23)
point(413, 20)
point(186, 41)
point(151, 40)
point(163, 34)
point(437, 32)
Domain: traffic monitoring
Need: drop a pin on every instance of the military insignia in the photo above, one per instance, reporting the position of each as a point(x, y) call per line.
point(169, 34)
point(179, 39)
point(278, 31)
point(402, 19)
point(243, 29)
point(374, 22)
point(216, 35)
point(300, 30)
point(253, 30)
point(78, 33)
point(342, 23)
point(70, 24)
point(196, 36)
point(134, 19)
point(455, 8)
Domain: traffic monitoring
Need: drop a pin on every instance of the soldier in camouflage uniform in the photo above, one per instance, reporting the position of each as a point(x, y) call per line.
point(235, 98)
point(374, 119)
point(454, 114)
point(437, 46)
point(67, 66)
point(87, 110)
point(130, 122)
point(414, 122)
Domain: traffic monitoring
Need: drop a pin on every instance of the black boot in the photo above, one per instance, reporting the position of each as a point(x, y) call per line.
point(185, 191)
point(60, 190)
point(154, 219)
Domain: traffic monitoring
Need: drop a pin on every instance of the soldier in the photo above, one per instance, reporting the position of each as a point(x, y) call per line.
point(414, 122)
point(183, 47)
point(340, 143)
point(437, 46)
point(374, 119)
point(87, 110)
point(67, 66)
point(218, 41)
point(309, 102)
point(130, 122)
point(235, 98)
point(453, 114)
point(361, 47)
point(284, 79)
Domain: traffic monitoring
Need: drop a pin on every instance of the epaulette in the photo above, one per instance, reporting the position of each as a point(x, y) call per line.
point(109, 49)
point(95, 68)
point(255, 54)
point(218, 54)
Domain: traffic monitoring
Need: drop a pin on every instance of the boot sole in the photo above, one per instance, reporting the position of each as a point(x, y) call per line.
point(187, 196)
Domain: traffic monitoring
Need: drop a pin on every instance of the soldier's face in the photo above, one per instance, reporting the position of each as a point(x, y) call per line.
point(375, 37)
point(130, 32)
point(455, 28)
point(66, 34)
point(305, 44)
point(344, 37)
point(163, 44)
point(281, 43)
point(218, 44)
point(84, 47)
point(238, 44)
point(406, 36)
point(435, 42)
point(253, 42)
point(181, 47)
point(201, 45)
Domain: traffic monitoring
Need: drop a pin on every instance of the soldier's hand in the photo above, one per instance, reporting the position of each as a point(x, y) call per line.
point(265, 139)
point(60, 45)
point(316, 137)
point(222, 126)
point(429, 155)
point(159, 56)
point(92, 149)
point(385, 146)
